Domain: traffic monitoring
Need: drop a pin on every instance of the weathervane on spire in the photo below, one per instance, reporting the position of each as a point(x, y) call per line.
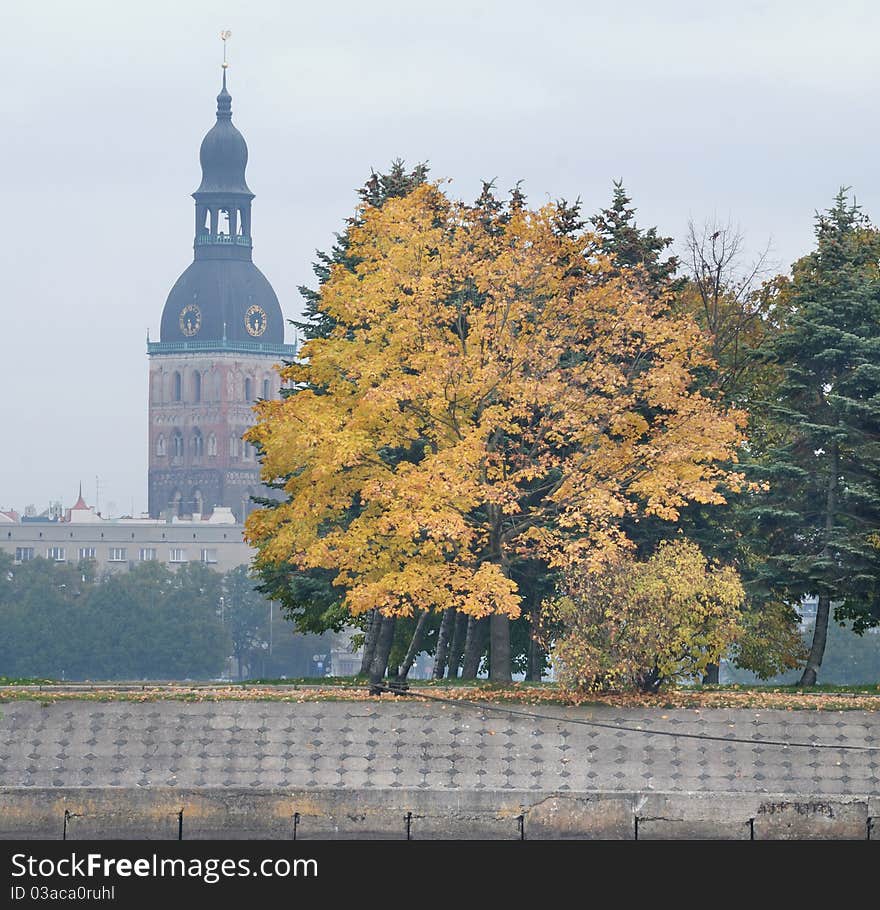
point(225, 35)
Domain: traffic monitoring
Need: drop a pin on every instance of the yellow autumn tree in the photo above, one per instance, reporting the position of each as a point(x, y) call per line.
point(490, 393)
point(631, 623)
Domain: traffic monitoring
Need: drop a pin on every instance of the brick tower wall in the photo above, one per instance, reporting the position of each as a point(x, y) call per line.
point(200, 405)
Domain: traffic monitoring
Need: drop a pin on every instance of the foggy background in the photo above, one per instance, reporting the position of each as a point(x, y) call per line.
point(756, 112)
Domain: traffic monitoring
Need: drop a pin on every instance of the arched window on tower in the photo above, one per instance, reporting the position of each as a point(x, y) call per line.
point(160, 446)
point(176, 445)
point(267, 389)
point(233, 446)
point(176, 504)
point(198, 502)
point(198, 443)
point(197, 386)
point(176, 389)
point(212, 445)
point(223, 221)
point(248, 389)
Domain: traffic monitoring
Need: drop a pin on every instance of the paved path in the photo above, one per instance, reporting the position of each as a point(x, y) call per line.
point(428, 746)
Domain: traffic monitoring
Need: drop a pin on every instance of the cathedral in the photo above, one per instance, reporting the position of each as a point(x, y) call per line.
point(221, 333)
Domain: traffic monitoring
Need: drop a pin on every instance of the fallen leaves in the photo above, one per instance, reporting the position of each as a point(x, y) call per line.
point(764, 698)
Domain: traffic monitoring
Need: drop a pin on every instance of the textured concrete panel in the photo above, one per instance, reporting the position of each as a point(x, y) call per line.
point(814, 819)
point(357, 769)
point(434, 747)
point(580, 816)
point(119, 813)
point(693, 829)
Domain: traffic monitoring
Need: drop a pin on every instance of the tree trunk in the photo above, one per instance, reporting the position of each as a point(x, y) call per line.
point(499, 648)
point(823, 609)
point(384, 641)
point(473, 647)
point(817, 649)
point(536, 652)
point(499, 624)
point(712, 675)
point(415, 645)
point(649, 680)
point(372, 633)
point(456, 649)
point(443, 643)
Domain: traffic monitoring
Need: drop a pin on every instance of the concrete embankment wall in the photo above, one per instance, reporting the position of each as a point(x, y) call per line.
point(371, 769)
point(164, 813)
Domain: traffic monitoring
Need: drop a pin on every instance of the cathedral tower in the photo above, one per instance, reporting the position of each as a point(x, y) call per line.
point(222, 331)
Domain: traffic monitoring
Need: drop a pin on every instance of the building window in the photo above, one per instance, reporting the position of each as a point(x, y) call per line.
point(24, 554)
point(176, 387)
point(233, 447)
point(177, 555)
point(56, 554)
point(248, 389)
point(117, 554)
point(197, 386)
point(267, 389)
point(198, 444)
point(86, 553)
point(212, 444)
point(209, 556)
point(177, 445)
point(147, 554)
point(160, 446)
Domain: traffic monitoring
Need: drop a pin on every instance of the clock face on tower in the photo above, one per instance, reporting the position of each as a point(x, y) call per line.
point(190, 320)
point(255, 320)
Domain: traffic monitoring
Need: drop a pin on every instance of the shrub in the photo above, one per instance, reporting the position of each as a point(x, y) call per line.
point(630, 623)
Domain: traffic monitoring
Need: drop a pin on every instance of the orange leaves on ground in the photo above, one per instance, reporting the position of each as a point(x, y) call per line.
point(765, 698)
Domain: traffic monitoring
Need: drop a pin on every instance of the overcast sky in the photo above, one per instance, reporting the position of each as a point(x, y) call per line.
point(751, 111)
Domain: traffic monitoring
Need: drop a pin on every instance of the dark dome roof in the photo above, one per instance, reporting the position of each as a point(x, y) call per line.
point(223, 154)
point(223, 290)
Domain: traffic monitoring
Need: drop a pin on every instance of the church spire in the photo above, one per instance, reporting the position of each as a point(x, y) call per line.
point(224, 100)
point(222, 298)
point(222, 303)
point(223, 199)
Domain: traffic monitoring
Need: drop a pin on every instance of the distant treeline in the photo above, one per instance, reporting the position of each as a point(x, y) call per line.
point(62, 621)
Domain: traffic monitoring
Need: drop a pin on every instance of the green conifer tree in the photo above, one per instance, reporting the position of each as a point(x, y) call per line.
point(631, 246)
point(823, 508)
